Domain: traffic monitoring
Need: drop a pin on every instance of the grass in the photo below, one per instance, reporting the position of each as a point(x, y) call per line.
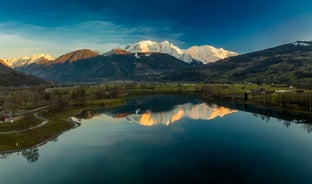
point(29, 120)
point(57, 124)
point(11, 142)
point(106, 103)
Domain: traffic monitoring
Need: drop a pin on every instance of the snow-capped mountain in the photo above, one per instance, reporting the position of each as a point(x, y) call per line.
point(205, 54)
point(208, 54)
point(301, 43)
point(162, 47)
point(26, 60)
point(2, 62)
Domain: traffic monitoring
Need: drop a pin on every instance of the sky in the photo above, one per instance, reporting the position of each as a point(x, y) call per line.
point(56, 27)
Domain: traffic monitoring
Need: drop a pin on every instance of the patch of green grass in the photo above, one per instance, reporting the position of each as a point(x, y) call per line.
point(31, 138)
point(28, 120)
point(57, 124)
point(106, 103)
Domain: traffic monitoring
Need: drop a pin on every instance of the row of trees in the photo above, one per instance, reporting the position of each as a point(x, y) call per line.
point(14, 100)
point(299, 99)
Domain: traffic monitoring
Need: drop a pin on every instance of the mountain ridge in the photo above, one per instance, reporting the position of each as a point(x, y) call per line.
point(138, 66)
point(76, 55)
point(289, 63)
point(208, 54)
point(26, 60)
point(148, 46)
point(10, 77)
point(205, 53)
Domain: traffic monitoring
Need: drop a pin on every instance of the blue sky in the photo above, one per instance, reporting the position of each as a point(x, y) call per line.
point(60, 26)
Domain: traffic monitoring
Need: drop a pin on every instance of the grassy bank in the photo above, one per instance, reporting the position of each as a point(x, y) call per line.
point(66, 102)
point(56, 125)
point(277, 96)
point(28, 120)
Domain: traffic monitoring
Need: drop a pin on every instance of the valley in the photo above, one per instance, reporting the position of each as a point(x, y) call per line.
point(57, 105)
point(276, 78)
point(155, 92)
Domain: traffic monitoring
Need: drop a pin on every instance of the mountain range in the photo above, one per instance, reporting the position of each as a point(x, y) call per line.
point(26, 60)
point(89, 66)
point(152, 61)
point(140, 61)
point(289, 63)
point(205, 54)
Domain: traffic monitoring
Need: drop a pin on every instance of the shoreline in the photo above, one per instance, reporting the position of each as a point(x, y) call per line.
point(76, 122)
point(75, 125)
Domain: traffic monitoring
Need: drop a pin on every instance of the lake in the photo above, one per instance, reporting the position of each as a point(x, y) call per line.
point(171, 139)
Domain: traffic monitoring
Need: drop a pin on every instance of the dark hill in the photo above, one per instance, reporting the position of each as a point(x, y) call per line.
point(10, 77)
point(121, 66)
point(75, 56)
point(289, 63)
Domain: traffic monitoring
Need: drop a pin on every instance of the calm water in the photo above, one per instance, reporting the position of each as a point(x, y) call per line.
point(169, 139)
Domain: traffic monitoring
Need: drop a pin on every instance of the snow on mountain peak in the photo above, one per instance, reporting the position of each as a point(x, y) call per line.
point(165, 42)
point(300, 43)
point(26, 60)
point(162, 47)
point(205, 54)
point(38, 57)
point(208, 54)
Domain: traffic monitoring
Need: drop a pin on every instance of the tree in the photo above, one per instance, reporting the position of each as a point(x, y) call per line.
point(246, 96)
point(58, 102)
point(180, 90)
point(11, 103)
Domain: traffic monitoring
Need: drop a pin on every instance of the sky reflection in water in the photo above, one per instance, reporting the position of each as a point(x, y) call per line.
point(201, 144)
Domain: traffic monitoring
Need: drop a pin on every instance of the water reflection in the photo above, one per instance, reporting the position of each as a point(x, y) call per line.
point(168, 109)
point(4, 155)
point(265, 113)
point(31, 155)
point(188, 110)
point(200, 111)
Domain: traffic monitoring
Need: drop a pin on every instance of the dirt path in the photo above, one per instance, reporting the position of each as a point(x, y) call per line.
point(73, 120)
point(44, 122)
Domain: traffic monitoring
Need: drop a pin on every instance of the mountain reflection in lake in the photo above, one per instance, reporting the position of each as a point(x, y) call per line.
point(200, 111)
point(172, 139)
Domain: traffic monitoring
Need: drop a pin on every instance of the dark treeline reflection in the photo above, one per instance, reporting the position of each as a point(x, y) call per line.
point(31, 155)
point(265, 113)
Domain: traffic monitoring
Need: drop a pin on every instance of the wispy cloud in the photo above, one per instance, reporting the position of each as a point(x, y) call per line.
point(20, 39)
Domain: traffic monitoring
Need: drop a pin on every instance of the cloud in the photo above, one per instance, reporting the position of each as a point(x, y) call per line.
point(11, 44)
point(21, 39)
